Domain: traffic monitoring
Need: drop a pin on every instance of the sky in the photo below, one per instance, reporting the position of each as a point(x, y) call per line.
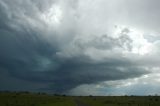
point(80, 47)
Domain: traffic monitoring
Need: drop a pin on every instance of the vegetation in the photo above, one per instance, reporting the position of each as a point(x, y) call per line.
point(42, 99)
point(34, 99)
point(122, 101)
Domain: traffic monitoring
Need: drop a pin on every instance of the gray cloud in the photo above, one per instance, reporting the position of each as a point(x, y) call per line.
point(62, 44)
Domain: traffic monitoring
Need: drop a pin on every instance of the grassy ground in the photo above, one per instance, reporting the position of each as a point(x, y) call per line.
point(122, 101)
point(22, 99)
point(30, 99)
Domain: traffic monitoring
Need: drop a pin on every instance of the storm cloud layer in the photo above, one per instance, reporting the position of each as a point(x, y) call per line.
point(61, 46)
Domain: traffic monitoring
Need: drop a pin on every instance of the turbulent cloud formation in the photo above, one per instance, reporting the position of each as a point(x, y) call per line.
point(68, 46)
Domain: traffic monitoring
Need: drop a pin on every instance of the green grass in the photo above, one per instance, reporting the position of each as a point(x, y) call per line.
point(32, 99)
point(20, 99)
point(122, 101)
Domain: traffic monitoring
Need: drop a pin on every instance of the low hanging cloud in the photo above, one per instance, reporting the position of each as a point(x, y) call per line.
point(57, 45)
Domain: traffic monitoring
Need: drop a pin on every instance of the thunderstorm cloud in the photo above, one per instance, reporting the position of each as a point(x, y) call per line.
point(80, 47)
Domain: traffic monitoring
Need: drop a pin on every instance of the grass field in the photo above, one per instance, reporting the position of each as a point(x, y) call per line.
point(23, 99)
point(122, 101)
point(34, 99)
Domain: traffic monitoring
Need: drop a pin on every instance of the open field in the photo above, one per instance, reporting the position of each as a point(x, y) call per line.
point(35, 99)
point(29, 99)
point(122, 101)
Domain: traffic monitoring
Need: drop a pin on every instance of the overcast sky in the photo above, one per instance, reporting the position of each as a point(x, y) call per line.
point(80, 47)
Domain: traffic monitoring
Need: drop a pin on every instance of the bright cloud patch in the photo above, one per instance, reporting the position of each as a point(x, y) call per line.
point(53, 15)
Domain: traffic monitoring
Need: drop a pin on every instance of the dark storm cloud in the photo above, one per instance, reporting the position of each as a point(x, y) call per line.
point(33, 60)
point(74, 74)
point(55, 58)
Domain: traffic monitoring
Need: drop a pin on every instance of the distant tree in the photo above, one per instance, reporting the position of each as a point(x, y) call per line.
point(56, 94)
point(6, 91)
point(39, 93)
point(64, 95)
point(126, 95)
point(26, 92)
point(90, 96)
